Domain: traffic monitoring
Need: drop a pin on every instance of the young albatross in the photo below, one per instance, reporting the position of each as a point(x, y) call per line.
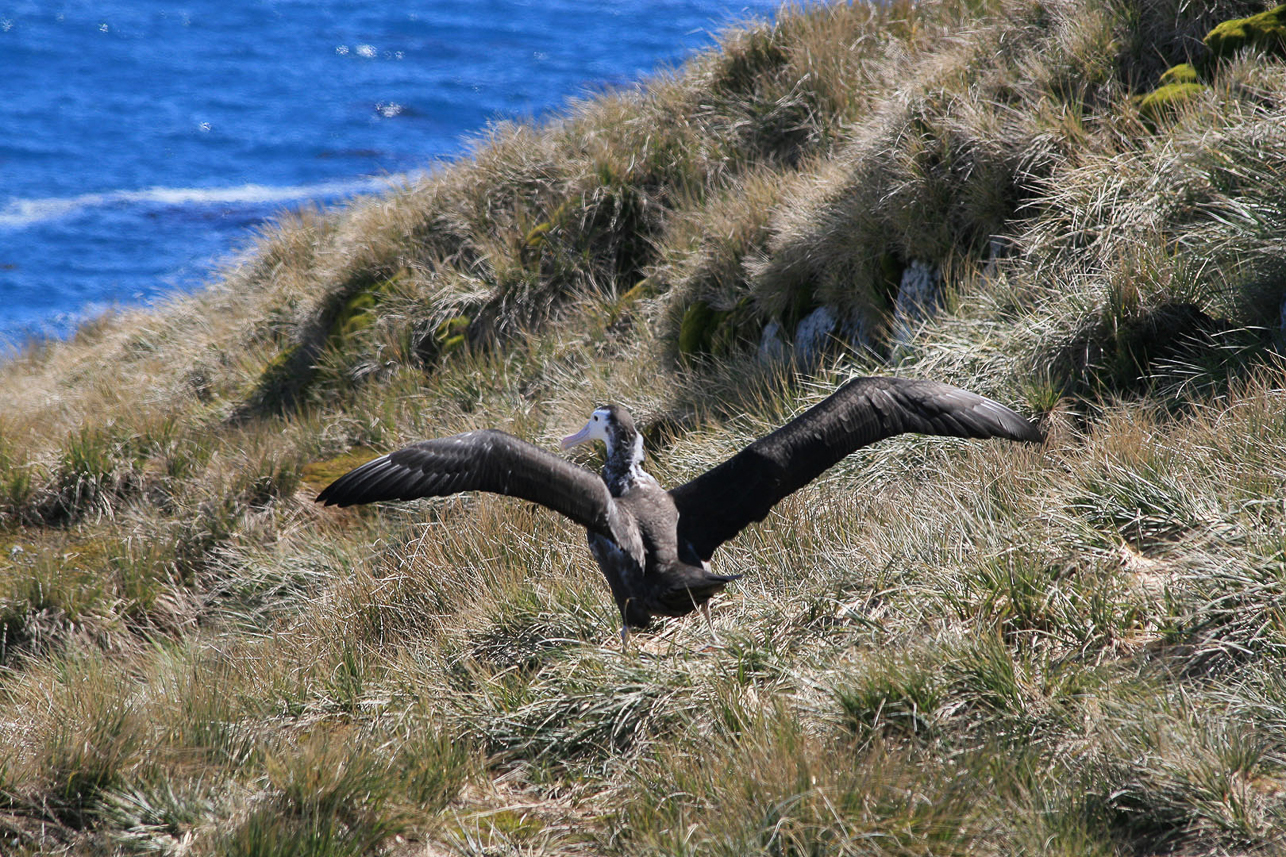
point(654, 546)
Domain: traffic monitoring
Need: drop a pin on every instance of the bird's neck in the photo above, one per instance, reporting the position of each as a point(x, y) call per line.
point(624, 467)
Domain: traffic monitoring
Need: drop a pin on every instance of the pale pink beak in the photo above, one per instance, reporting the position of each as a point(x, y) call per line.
point(578, 438)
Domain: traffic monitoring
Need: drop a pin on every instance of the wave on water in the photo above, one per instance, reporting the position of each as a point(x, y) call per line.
point(18, 213)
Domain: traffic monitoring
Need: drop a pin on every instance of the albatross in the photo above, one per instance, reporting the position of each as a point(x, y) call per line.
point(654, 546)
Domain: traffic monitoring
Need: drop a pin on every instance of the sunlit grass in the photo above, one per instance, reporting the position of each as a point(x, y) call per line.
point(939, 647)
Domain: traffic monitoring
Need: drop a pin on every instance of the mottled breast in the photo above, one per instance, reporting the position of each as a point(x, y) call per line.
point(658, 519)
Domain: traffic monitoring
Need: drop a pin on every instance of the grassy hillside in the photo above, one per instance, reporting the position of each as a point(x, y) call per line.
point(941, 647)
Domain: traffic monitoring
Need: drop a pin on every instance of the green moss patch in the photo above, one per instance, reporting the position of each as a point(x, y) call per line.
point(1182, 73)
point(1179, 84)
point(1163, 102)
point(319, 474)
point(1263, 32)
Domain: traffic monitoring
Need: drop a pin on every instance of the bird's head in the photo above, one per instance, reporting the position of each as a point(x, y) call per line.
point(611, 424)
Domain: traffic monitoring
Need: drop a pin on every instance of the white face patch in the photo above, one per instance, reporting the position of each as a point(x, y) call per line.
point(595, 429)
point(597, 425)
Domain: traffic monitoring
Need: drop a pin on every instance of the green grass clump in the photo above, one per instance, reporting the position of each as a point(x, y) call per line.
point(325, 798)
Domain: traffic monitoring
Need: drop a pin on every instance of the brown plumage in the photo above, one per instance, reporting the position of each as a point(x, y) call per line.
point(653, 545)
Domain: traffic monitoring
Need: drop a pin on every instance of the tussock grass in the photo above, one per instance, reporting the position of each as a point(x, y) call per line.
point(939, 647)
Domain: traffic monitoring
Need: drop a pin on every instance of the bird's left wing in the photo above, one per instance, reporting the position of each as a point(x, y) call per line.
point(721, 502)
point(487, 460)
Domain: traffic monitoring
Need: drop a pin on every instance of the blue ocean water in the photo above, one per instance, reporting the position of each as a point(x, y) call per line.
point(140, 141)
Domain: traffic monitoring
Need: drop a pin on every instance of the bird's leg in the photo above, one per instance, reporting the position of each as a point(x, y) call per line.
point(705, 611)
point(625, 636)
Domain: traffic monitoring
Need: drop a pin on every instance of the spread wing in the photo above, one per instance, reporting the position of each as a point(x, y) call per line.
point(721, 502)
point(487, 460)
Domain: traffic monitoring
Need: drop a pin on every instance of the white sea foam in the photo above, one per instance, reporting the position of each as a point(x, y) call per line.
point(18, 213)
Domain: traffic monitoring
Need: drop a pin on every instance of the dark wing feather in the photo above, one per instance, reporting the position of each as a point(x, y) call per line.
point(721, 502)
point(487, 460)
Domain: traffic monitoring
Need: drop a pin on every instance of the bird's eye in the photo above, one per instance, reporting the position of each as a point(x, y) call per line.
point(595, 417)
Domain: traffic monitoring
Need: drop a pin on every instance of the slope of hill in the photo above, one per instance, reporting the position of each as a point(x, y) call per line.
point(942, 647)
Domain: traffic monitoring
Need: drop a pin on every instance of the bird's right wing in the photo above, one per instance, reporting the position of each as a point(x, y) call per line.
point(487, 460)
point(721, 502)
